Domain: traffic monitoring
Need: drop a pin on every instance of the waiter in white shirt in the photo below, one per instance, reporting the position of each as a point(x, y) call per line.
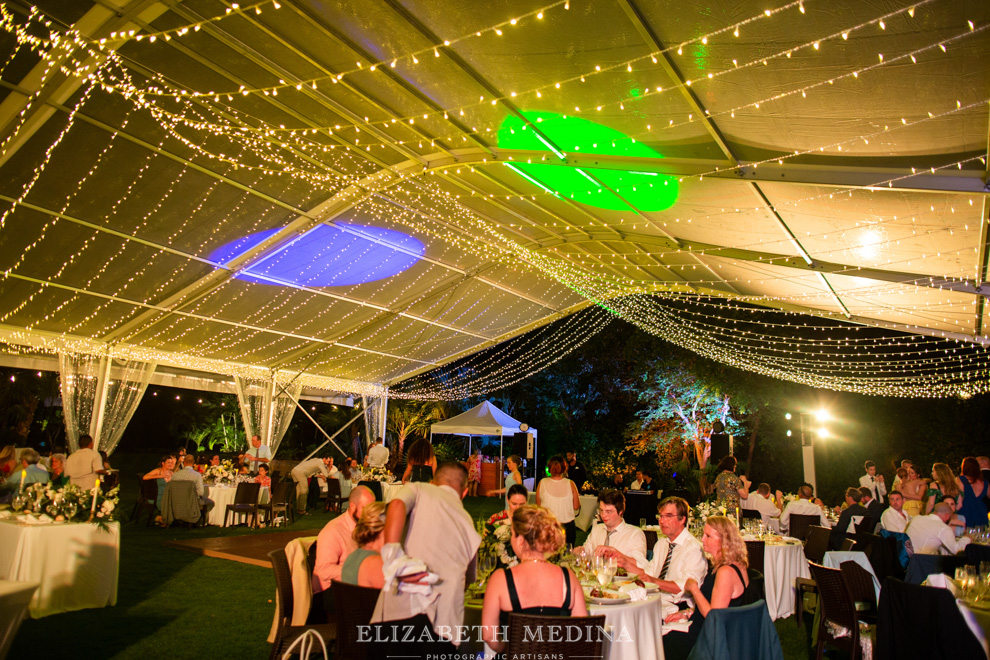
point(677, 556)
point(874, 482)
point(613, 532)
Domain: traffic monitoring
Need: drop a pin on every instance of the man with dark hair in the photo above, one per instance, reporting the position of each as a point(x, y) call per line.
point(190, 473)
point(874, 509)
point(874, 482)
point(430, 568)
point(802, 506)
point(647, 483)
point(895, 519)
point(576, 471)
point(677, 556)
point(851, 516)
point(613, 532)
point(84, 464)
point(637, 482)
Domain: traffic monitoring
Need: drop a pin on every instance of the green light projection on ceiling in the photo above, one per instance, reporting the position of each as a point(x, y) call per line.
point(647, 191)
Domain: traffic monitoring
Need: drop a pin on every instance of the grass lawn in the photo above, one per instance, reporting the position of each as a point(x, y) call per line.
point(176, 603)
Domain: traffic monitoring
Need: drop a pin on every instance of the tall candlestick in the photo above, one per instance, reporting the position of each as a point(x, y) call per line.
point(96, 489)
point(23, 477)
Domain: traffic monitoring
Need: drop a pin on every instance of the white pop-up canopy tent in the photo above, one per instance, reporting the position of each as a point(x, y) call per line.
point(483, 419)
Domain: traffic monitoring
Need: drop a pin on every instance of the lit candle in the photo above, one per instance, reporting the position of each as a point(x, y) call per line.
point(23, 477)
point(96, 489)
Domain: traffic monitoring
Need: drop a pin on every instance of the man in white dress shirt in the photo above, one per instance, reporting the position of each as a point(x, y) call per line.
point(257, 455)
point(874, 482)
point(760, 501)
point(802, 506)
point(931, 534)
point(677, 556)
point(84, 464)
point(377, 456)
point(638, 483)
point(613, 532)
point(315, 467)
point(894, 518)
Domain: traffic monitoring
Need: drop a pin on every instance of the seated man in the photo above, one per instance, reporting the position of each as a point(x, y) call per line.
point(802, 506)
point(613, 531)
point(874, 509)
point(894, 518)
point(760, 501)
point(190, 473)
point(439, 535)
point(851, 516)
point(29, 472)
point(931, 534)
point(335, 543)
point(677, 556)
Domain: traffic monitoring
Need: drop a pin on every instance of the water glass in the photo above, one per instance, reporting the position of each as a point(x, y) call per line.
point(642, 523)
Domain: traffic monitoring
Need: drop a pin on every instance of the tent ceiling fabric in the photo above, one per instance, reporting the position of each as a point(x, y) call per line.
point(363, 191)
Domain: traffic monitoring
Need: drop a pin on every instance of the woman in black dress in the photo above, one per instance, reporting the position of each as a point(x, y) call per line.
point(421, 462)
point(726, 585)
point(534, 586)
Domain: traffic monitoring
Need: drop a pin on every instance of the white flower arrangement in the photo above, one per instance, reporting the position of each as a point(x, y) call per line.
point(705, 510)
point(220, 474)
point(378, 474)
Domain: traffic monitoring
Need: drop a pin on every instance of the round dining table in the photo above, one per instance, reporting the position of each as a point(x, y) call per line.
point(224, 495)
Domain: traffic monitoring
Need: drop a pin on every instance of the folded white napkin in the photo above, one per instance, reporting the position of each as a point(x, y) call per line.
point(634, 591)
point(396, 564)
point(679, 626)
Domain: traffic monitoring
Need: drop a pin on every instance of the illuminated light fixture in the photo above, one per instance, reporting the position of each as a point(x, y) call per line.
point(822, 415)
point(646, 191)
point(823, 433)
point(343, 255)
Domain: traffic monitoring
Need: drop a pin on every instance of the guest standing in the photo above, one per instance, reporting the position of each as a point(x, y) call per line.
point(534, 586)
point(257, 455)
point(420, 462)
point(84, 464)
point(576, 471)
point(944, 484)
point(974, 489)
point(512, 463)
point(321, 468)
point(729, 488)
point(377, 455)
point(874, 482)
point(913, 488)
point(474, 472)
point(560, 496)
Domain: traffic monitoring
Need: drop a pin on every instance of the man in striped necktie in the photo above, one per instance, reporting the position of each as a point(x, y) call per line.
point(677, 556)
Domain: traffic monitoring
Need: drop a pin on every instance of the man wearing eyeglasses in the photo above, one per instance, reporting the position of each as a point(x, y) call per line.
point(677, 556)
point(612, 533)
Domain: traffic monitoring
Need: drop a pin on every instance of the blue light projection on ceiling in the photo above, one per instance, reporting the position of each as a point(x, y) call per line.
point(341, 255)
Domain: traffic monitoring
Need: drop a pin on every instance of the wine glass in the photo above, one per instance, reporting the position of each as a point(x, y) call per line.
point(605, 568)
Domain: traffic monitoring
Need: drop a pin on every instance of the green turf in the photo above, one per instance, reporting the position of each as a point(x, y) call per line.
point(178, 604)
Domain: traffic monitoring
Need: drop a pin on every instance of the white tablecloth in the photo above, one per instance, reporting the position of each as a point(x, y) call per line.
point(635, 629)
point(75, 564)
point(782, 564)
point(586, 517)
point(14, 600)
point(224, 495)
point(834, 559)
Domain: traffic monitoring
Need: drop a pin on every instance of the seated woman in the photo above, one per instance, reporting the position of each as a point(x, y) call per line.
point(943, 485)
point(58, 476)
point(162, 474)
point(518, 496)
point(724, 586)
point(957, 523)
point(363, 566)
point(420, 462)
point(263, 477)
point(534, 586)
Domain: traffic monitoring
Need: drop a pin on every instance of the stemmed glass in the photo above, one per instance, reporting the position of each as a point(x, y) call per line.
point(605, 568)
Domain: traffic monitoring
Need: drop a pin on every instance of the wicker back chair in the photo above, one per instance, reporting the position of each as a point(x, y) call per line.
point(147, 499)
point(354, 605)
point(837, 608)
point(817, 544)
point(859, 582)
point(286, 633)
point(333, 495)
point(799, 524)
point(552, 636)
point(756, 551)
point(245, 501)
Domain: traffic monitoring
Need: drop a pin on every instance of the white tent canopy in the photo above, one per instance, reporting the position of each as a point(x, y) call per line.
point(483, 419)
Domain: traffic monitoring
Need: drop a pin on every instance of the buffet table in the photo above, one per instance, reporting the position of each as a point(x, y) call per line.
point(74, 564)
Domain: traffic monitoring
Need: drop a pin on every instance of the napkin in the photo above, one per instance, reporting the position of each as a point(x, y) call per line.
point(395, 564)
point(634, 591)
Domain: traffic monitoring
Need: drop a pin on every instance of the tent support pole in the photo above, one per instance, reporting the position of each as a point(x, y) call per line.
point(329, 438)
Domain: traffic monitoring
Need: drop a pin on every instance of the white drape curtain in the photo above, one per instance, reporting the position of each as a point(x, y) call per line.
point(80, 375)
point(256, 400)
point(373, 415)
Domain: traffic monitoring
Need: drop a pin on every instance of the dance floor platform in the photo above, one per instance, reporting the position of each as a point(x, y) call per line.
point(250, 549)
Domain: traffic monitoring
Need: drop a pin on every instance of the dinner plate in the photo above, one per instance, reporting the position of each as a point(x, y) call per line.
point(617, 600)
point(622, 579)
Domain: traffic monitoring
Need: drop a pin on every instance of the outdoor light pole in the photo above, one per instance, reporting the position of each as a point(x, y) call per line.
point(808, 444)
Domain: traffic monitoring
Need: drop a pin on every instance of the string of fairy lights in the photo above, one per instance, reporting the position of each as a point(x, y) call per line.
point(329, 156)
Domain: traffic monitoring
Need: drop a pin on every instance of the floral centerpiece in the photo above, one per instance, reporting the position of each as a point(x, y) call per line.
point(496, 535)
point(705, 510)
point(220, 474)
point(68, 504)
point(378, 474)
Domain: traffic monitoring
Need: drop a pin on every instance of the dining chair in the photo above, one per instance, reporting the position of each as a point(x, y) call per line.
point(817, 544)
point(866, 525)
point(839, 610)
point(738, 633)
point(859, 582)
point(553, 636)
point(286, 633)
point(354, 605)
point(847, 544)
point(147, 499)
point(333, 495)
point(799, 524)
point(921, 622)
point(756, 551)
point(282, 500)
point(245, 502)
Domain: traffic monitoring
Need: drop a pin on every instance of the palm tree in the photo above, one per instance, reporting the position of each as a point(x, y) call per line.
point(408, 418)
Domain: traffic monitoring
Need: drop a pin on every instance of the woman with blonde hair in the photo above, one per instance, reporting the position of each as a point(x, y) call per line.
point(534, 586)
point(727, 585)
point(363, 566)
point(943, 485)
